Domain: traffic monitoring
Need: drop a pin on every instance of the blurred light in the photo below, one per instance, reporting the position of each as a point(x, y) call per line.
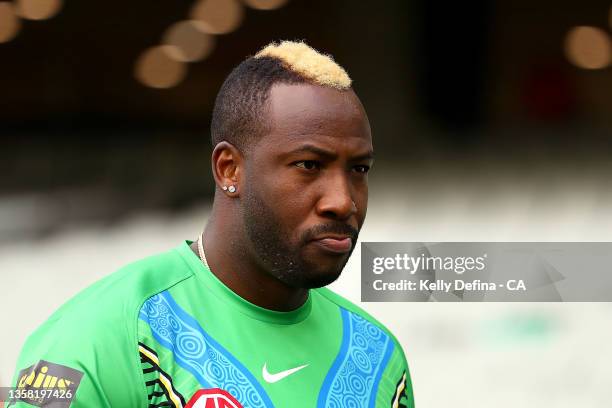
point(188, 40)
point(38, 9)
point(588, 47)
point(156, 69)
point(265, 4)
point(9, 22)
point(218, 16)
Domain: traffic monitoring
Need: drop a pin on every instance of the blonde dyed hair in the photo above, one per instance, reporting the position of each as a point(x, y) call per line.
point(307, 62)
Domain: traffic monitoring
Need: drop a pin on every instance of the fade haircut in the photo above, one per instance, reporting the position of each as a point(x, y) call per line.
point(239, 114)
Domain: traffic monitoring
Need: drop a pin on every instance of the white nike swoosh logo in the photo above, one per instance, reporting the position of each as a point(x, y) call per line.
point(272, 378)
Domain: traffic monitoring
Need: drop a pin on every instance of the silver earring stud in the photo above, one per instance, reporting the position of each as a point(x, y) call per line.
point(231, 189)
point(224, 188)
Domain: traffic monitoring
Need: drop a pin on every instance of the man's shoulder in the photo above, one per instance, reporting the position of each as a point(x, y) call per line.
point(354, 310)
point(113, 302)
point(92, 338)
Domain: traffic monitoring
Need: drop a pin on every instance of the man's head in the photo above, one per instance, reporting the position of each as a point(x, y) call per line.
point(293, 138)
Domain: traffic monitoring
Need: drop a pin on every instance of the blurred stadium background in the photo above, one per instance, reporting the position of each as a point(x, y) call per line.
point(492, 122)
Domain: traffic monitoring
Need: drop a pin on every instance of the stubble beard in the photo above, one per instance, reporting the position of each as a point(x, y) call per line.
point(282, 259)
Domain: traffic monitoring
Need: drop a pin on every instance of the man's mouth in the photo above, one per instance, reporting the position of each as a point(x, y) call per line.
point(335, 244)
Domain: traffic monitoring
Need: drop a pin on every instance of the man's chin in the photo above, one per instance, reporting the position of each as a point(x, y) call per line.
point(322, 271)
point(320, 279)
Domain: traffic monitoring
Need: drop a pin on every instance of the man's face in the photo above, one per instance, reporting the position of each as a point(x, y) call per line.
point(305, 193)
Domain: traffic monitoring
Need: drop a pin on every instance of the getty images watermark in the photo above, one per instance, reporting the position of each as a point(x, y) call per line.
point(486, 272)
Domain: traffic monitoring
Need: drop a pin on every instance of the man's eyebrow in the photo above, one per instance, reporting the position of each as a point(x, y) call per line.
point(366, 156)
point(308, 148)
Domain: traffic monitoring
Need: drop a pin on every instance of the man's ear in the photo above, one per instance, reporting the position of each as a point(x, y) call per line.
point(227, 162)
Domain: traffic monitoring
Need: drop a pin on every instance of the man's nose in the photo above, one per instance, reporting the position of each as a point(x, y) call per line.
point(336, 200)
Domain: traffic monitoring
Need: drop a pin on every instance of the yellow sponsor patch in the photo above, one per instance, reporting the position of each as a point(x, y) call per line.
point(46, 383)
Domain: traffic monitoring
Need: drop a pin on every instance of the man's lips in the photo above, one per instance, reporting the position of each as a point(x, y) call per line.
point(339, 245)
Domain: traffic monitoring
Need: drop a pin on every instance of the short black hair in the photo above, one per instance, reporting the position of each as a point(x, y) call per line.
point(239, 114)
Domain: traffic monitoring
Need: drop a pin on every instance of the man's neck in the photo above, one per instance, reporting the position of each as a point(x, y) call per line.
point(242, 276)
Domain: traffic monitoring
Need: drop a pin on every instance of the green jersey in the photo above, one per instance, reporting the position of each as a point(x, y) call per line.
point(166, 332)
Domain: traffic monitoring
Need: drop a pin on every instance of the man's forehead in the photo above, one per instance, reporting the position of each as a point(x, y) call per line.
point(298, 112)
point(306, 105)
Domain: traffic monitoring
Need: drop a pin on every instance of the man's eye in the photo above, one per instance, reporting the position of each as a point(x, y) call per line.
point(362, 169)
point(308, 164)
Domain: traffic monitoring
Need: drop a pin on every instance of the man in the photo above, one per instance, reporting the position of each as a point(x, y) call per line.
point(240, 317)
